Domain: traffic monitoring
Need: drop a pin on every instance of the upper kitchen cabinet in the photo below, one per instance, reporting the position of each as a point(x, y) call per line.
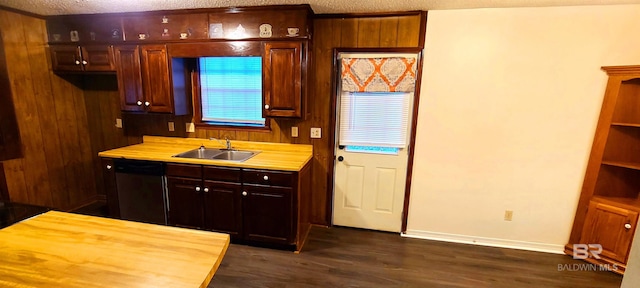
point(263, 22)
point(84, 29)
point(154, 26)
point(283, 67)
point(151, 82)
point(73, 58)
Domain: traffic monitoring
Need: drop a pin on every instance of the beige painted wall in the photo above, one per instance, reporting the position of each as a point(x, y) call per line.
point(508, 109)
point(632, 273)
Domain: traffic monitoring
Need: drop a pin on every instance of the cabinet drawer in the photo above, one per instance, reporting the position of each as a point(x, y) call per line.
point(267, 177)
point(224, 174)
point(184, 170)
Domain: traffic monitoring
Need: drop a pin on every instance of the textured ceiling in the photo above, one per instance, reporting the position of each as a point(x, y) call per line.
point(59, 7)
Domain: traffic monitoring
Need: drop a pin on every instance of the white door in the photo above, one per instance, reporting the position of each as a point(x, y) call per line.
point(370, 179)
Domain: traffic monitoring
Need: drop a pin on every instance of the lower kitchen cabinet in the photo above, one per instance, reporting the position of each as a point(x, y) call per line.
point(253, 206)
point(223, 209)
point(185, 202)
point(269, 214)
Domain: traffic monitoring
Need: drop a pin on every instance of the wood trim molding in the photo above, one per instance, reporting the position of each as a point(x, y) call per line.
point(370, 15)
point(2, 7)
point(621, 70)
point(4, 191)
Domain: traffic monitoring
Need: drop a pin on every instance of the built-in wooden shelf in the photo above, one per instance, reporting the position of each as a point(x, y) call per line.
point(628, 165)
point(625, 124)
point(622, 202)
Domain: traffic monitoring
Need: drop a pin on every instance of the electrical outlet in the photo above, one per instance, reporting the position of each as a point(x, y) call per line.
point(191, 128)
point(118, 122)
point(316, 133)
point(294, 131)
point(508, 215)
point(172, 126)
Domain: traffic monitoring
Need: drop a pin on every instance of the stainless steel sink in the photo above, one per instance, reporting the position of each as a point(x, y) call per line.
point(200, 153)
point(217, 154)
point(234, 155)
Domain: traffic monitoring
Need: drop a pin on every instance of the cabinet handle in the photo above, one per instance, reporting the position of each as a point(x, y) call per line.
point(108, 167)
point(77, 62)
point(197, 189)
point(147, 103)
point(265, 177)
point(627, 226)
point(84, 62)
point(139, 103)
point(266, 107)
point(206, 189)
point(244, 193)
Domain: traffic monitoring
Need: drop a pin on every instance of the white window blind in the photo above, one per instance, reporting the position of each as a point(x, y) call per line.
point(374, 119)
point(231, 90)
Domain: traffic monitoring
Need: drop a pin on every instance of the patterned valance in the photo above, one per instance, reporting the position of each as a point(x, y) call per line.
point(378, 74)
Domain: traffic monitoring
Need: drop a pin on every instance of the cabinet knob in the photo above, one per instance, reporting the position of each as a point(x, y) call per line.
point(108, 167)
point(84, 62)
point(266, 106)
point(627, 226)
point(77, 62)
point(265, 177)
point(197, 189)
point(139, 103)
point(244, 193)
point(206, 190)
point(147, 103)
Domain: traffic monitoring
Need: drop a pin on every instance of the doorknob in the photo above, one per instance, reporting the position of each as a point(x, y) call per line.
point(627, 226)
point(340, 158)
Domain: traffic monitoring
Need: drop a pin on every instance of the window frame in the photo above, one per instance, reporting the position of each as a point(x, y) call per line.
point(220, 49)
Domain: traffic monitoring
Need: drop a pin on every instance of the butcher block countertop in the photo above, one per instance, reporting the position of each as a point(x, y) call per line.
point(273, 156)
point(58, 249)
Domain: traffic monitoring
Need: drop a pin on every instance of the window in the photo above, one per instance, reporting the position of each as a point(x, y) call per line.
point(370, 121)
point(231, 91)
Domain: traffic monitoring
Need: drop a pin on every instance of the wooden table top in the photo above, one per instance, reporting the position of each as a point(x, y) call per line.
point(274, 156)
point(58, 249)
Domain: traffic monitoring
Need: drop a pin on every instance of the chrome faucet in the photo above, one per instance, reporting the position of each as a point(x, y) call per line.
point(227, 144)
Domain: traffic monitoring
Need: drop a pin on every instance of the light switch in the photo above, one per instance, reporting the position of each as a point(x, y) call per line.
point(294, 131)
point(118, 122)
point(191, 128)
point(172, 126)
point(316, 133)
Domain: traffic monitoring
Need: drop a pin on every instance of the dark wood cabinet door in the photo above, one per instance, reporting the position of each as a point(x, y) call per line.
point(127, 59)
point(97, 58)
point(223, 207)
point(267, 214)
point(185, 202)
point(66, 58)
point(155, 79)
point(109, 173)
point(612, 227)
point(282, 76)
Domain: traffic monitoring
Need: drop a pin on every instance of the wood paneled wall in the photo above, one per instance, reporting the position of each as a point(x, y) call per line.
point(56, 169)
point(64, 123)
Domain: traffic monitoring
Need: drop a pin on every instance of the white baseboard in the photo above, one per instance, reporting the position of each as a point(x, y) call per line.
point(483, 241)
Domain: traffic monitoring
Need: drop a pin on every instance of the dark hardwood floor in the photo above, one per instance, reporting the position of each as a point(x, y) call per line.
point(344, 257)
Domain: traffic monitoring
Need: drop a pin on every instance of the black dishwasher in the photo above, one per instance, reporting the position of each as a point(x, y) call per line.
point(141, 187)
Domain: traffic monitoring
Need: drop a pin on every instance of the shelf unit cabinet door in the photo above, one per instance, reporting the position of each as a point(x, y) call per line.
point(155, 79)
point(127, 59)
point(66, 58)
point(185, 202)
point(268, 214)
point(223, 207)
point(98, 58)
point(612, 227)
point(282, 76)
